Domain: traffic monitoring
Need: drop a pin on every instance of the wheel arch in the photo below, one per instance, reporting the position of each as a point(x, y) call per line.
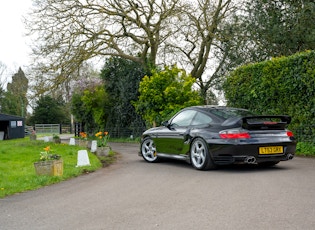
point(200, 137)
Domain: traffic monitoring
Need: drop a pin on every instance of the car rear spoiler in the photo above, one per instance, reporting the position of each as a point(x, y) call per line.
point(265, 122)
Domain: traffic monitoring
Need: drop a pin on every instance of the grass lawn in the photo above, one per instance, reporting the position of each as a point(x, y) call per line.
point(17, 157)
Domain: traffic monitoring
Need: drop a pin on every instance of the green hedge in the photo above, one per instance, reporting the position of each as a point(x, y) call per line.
point(283, 85)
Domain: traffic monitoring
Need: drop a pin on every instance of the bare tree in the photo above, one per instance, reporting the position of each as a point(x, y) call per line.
point(200, 38)
point(3, 79)
point(145, 31)
point(70, 32)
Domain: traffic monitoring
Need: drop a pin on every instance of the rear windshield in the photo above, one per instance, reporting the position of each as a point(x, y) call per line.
point(227, 113)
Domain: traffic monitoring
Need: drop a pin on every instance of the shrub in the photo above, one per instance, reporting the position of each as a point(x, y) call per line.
point(283, 85)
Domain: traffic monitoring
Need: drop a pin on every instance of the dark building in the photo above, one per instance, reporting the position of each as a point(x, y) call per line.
point(11, 127)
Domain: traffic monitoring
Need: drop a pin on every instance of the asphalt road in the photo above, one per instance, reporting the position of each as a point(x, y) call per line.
point(133, 194)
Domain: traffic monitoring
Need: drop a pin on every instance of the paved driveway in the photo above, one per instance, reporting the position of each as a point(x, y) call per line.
point(133, 194)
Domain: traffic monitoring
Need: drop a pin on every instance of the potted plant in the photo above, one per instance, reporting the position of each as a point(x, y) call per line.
point(49, 164)
point(56, 138)
point(102, 143)
point(83, 139)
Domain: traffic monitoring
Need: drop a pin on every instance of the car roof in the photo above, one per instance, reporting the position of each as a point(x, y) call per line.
point(214, 107)
point(221, 112)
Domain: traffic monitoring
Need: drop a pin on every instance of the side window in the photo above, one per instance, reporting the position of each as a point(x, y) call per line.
point(201, 119)
point(184, 118)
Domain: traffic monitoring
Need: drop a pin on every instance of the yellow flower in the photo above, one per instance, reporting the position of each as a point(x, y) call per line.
point(98, 134)
point(102, 138)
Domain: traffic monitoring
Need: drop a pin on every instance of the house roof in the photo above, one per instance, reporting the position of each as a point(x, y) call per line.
point(6, 117)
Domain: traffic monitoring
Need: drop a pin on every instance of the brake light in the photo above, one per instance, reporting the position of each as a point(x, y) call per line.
point(290, 134)
point(234, 135)
point(270, 123)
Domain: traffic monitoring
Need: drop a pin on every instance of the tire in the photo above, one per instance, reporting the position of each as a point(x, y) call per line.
point(148, 150)
point(200, 156)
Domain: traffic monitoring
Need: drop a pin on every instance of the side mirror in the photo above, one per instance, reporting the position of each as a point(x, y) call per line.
point(165, 123)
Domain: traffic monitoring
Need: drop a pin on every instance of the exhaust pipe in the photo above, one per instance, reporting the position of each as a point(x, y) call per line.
point(250, 160)
point(290, 156)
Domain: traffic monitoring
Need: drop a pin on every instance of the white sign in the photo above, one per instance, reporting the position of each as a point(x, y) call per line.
point(83, 158)
point(94, 146)
point(72, 141)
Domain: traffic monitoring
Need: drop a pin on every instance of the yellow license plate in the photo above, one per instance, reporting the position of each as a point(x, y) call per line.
point(271, 150)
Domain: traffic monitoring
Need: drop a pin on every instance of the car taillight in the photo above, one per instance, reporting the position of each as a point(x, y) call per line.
point(233, 134)
point(290, 134)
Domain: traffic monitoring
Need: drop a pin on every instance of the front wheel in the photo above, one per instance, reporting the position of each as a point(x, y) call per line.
point(148, 150)
point(200, 156)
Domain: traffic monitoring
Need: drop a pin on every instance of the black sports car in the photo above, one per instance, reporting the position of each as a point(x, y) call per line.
point(207, 136)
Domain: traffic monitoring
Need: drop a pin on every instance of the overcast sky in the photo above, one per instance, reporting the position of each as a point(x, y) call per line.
point(13, 48)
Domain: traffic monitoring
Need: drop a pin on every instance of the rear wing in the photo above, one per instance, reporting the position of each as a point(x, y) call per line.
point(266, 122)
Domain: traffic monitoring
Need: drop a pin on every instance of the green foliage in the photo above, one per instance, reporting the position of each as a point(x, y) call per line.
point(49, 111)
point(89, 105)
point(14, 100)
point(10, 104)
point(78, 109)
point(122, 79)
point(165, 93)
point(305, 149)
point(280, 86)
point(280, 27)
point(95, 101)
point(17, 159)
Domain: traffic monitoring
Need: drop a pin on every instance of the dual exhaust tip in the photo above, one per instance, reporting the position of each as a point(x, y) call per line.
point(250, 160)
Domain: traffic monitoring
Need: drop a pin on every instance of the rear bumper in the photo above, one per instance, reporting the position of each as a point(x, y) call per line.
point(226, 160)
point(248, 153)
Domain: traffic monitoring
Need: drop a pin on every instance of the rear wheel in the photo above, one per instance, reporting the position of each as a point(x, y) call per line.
point(148, 150)
point(200, 156)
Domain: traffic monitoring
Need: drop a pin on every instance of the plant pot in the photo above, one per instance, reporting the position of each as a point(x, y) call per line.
point(102, 151)
point(49, 168)
point(33, 137)
point(57, 140)
point(83, 143)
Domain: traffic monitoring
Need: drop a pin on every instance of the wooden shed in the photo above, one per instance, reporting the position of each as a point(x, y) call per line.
point(11, 127)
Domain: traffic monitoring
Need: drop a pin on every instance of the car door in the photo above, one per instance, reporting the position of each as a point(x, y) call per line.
point(170, 139)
